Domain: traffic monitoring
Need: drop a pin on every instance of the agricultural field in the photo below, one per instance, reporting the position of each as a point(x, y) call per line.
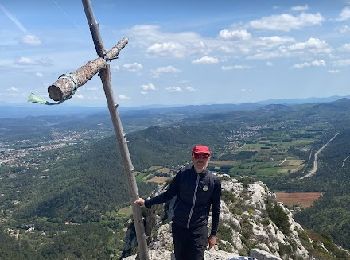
point(301, 199)
point(268, 154)
point(159, 180)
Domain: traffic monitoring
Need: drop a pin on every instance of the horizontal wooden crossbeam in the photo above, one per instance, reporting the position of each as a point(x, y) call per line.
point(66, 85)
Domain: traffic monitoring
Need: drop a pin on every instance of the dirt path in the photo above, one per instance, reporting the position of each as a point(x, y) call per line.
point(314, 168)
point(344, 161)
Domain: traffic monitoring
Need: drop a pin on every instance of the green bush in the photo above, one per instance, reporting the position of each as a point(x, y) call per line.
point(224, 233)
point(246, 181)
point(228, 196)
point(279, 217)
point(285, 250)
point(224, 247)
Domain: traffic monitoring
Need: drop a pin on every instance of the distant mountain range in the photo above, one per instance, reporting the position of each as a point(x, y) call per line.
point(25, 110)
point(303, 100)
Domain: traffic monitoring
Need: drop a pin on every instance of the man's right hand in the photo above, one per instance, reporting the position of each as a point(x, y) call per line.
point(211, 241)
point(140, 202)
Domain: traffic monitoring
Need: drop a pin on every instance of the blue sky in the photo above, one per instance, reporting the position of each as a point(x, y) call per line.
point(180, 52)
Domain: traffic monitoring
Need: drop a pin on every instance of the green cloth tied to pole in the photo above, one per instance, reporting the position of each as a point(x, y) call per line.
point(32, 98)
point(39, 100)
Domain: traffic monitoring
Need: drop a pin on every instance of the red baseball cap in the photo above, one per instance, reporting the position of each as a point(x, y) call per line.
point(201, 149)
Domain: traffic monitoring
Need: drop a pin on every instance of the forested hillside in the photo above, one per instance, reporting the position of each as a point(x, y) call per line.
point(69, 200)
point(69, 211)
point(331, 214)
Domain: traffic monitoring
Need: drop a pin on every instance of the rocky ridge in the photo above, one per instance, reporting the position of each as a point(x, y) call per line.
point(252, 223)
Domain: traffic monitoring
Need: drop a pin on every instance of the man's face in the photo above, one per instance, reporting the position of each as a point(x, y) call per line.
point(200, 161)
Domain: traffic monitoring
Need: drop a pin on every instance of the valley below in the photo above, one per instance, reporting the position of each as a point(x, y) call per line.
point(63, 192)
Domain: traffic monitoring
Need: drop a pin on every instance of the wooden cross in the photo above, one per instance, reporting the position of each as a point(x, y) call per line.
point(65, 87)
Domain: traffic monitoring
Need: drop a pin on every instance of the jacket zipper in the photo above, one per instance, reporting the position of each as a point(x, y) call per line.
point(193, 201)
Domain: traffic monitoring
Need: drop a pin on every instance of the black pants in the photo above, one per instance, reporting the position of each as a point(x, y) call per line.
point(189, 244)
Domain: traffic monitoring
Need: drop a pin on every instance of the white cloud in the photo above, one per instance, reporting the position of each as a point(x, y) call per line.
point(39, 74)
point(300, 8)
point(269, 63)
point(189, 44)
point(235, 67)
point(266, 55)
point(315, 63)
point(174, 89)
point(148, 87)
point(167, 49)
point(269, 47)
point(180, 89)
point(341, 63)
point(345, 47)
point(168, 69)
point(133, 67)
point(30, 39)
point(334, 71)
point(344, 29)
point(13, 89)
point(344, 14)
point(115, 67)
point(241, 34)
point(234, 47)
point(312, 44)
point(12, 92)
point(272, 41)
point(25, 61)
point(206, 60)
point(123, 97)
point(287, 22)
point(79, 96)
point(191, 89)
point(166, 44)
point(318, 63)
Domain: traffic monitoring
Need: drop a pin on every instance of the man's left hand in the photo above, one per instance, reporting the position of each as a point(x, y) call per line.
point(211, 241)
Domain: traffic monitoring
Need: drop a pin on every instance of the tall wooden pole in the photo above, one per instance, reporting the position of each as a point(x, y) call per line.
point(105, 75)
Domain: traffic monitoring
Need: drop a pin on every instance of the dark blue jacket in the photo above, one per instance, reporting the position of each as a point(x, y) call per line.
point(196, 193)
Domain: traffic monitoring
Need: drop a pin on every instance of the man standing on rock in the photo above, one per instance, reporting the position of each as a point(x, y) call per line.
point(197, 190)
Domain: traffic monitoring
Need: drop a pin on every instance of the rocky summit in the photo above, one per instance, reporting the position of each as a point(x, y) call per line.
point(252, 224)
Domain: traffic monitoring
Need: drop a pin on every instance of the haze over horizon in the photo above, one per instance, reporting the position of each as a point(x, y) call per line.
point(180, 53)
point(296, 101)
